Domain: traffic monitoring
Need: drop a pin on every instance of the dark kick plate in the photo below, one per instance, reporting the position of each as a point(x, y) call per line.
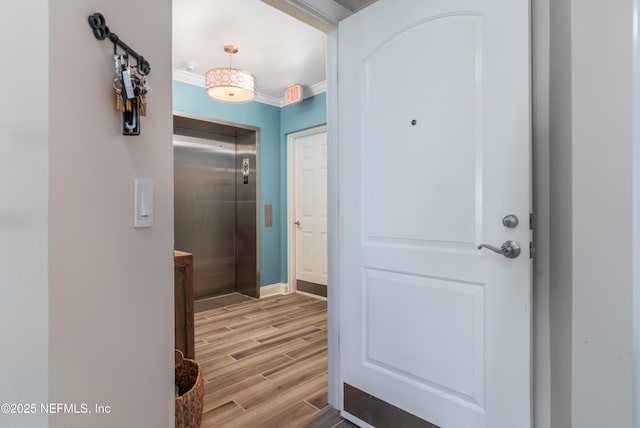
point(378, 413)
point(311, 287)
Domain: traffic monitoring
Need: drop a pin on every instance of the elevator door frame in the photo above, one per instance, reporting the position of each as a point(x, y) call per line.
point(222, 127)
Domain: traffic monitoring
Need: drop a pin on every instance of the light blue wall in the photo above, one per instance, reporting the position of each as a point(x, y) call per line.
point(309, 113)
point(274, 124)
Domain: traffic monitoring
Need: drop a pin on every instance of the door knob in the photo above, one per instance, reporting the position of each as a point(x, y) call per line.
point(510, 249)
point(297, 222)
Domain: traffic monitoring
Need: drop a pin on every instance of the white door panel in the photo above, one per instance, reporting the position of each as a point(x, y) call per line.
point(444, 144)
point(311, 207)
point(433, 152)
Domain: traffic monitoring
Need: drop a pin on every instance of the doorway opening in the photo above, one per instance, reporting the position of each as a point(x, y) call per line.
point(280, 204)
point(307, 211)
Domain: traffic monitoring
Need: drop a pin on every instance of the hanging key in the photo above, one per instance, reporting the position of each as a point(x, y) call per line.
point(117, 81)
point(131, 119)
point(136, 91)
point(137, 88)
point(117, 61)
point(142, 104)
point(118, 89)
point(131, 116)
point(127, 85)
point(144, 89)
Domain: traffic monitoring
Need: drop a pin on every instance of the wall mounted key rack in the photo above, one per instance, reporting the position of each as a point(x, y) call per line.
point(130, 81)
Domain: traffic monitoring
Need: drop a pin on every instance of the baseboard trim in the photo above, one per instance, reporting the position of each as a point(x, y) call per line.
point(274, 290)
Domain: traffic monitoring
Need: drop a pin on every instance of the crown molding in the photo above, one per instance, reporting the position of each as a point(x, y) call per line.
point(267, 99)
point(190, 78)
point(321, 14)
point(318, 88)
point(197, 80)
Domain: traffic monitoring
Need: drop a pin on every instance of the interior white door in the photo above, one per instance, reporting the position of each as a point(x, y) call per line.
point(311, 206)
point(433, 152)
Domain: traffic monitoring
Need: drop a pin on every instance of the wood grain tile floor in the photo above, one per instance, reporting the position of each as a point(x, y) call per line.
point(265, 364)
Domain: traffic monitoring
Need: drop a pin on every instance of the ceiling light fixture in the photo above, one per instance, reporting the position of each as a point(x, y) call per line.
point(231, 85)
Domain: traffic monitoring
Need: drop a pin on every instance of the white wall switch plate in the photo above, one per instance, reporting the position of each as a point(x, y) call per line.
point(143, 204)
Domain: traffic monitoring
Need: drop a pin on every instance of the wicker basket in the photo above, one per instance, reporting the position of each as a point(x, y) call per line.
point(189, 402)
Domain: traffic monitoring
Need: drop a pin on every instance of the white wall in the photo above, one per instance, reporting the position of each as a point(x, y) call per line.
point(110, 285)
point(23, 208)
point(591, 265)
point(561, 244)
point(601, 198)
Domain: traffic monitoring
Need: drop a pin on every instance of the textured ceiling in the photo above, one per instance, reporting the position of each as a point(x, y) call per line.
point(278, 49)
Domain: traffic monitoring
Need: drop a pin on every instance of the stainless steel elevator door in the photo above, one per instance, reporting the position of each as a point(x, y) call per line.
point(205, 210)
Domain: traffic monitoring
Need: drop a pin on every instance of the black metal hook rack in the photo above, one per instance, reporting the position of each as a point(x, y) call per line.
point(99, 26)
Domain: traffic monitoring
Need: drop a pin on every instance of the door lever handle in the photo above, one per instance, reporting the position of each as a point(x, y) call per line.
point(297, 223)
point(510, 249)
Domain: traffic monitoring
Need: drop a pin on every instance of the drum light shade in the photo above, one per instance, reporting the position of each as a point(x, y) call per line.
point(231, 85)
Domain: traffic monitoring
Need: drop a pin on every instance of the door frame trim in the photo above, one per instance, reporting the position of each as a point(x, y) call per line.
point(334, 370)
point(635, 209)
point(291, 200)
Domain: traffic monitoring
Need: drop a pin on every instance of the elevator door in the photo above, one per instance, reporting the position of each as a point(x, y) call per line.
point(205, 210)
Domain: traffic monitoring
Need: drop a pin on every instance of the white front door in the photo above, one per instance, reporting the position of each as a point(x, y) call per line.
point(310, 208)
point(433, 152)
